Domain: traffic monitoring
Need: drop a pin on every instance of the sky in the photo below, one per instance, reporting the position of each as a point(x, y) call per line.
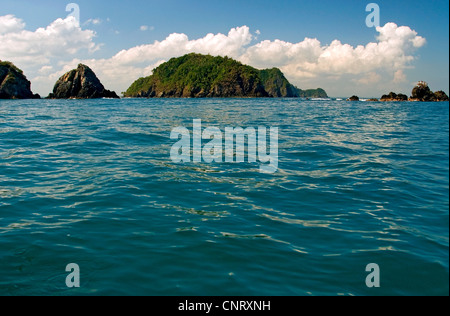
point(322, 43)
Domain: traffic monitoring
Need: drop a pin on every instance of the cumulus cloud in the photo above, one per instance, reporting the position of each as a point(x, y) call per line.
point(308, 63)
point(309, 58)
point(60, 39)
point(177, 44)
point(10, 24)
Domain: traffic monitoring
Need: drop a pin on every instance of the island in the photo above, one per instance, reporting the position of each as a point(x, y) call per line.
point(80, 83)
point(13, 83)
point(204, 76)
point(422, 92)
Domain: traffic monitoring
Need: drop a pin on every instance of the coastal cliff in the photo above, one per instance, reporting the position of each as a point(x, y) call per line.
point(80, 83)
point(205, 76)
point(13, 83)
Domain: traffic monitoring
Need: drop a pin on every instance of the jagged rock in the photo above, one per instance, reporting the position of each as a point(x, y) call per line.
point(393, 97)
point(80, 83)
point(440, 96)
point(373, 100)
point(422, 92)
point(13, 83)
point(353, 98)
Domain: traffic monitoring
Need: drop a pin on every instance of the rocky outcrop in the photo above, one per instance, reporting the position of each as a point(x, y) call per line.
point(393, 97)
point(423, 93)
point(80, 83)
point(13, 83)
point(440, 96)
point(353, 98)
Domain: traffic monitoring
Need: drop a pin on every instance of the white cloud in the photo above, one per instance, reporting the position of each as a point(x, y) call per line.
point(310, 58)
point(61, 38)
point(177, 44)
point(10, 24)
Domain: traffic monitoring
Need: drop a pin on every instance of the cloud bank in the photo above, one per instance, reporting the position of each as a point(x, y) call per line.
point(47, 53)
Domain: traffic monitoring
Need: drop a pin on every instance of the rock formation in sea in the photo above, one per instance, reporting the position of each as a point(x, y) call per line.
point(205, 76)
point(353, 98)
point(393, 97)
point(80, 83)
point(422, 92)
point(440, 96)
point(13, 83)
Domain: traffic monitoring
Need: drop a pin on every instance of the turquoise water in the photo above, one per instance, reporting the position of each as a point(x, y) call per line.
point(92, 183)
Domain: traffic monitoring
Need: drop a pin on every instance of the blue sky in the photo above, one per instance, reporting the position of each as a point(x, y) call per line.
point(124, 25)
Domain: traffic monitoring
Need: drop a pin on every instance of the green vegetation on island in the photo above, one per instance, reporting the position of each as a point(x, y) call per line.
point(13, 83)
point(205, 76)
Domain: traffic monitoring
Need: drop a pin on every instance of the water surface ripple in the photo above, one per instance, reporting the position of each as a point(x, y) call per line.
point(92, 182)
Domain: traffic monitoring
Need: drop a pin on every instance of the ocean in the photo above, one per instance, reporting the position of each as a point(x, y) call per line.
point(92, 183)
